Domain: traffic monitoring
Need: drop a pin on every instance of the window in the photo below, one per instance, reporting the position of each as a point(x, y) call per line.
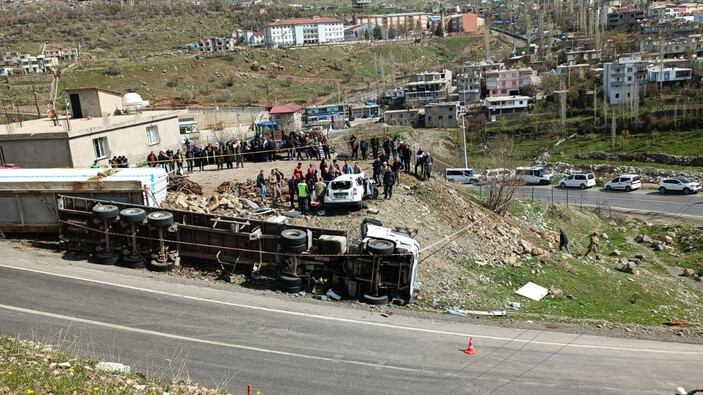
point(152, 134)
point(101, 148)
point(617, 95)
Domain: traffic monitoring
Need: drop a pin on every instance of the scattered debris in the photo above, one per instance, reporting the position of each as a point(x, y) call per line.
point(532, 291)
point(113, 367)
point(183, 184)
point(556, 292)
point(676, 323)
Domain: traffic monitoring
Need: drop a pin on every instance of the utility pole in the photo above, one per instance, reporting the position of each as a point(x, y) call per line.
point(463, 139)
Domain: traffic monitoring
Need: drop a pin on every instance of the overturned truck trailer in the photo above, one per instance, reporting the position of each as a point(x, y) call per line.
point(377, 266)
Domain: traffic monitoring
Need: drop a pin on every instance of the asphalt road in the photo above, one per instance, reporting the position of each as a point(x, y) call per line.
point(641, 201)
point(282, 345)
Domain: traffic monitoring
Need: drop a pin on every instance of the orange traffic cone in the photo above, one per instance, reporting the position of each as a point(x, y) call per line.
point(470, 349)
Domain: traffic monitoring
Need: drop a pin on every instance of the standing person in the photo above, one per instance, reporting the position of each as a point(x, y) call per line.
point(162, 160)
point(219, 158)
point(374, 146)
point(387, 146)
point(189, 160)
point(326, 147)
point(151, 159)
point(563, 241)
point(274, 183)
point(419, 161)
point(357, 168)
point(394, 146)
point(239, 153)
point(302, 196)
point(292, 181)
point(261, 183)
point(171, 164)
point(377, 170)
point(388, 181)
point(396, 169)
point(364, 146)
point(178, 158)
point(202, 158)
point(355, 150)
point(227, 153)
point(427, 161)
point(405, 157)
point(592, 245)
point(347, 169)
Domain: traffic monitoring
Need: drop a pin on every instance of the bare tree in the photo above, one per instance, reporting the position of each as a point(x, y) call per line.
point(501, 153)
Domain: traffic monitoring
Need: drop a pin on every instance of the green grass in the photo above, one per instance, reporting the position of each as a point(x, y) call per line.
point(681, 143)
point(32, 368)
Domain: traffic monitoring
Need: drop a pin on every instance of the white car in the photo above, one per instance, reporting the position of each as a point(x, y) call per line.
point(626, 182)
point(498, 174)
point(535, 175)
point(578, 180)
point(678, 184)
point(463, 175)
point(350, 190)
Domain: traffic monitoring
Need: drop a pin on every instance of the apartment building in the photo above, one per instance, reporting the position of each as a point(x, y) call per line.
point(513, 105)
point(508, 82)
point(674, 48)
point(428, 87)
point(303, 31)
point(668, 74)
point(408, 19)
point(61, 53)
point(624, 17)
point(361, 4)
point(625, 80)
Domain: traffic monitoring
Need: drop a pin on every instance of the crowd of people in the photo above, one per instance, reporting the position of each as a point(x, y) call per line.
point(391, 158)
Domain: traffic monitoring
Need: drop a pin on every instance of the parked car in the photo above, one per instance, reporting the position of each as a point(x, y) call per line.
point(678, 184)
point(626, 182)
point(578, 180)
point(535, 175)
point(350, 190)
point(463, 175)
point(497, 174)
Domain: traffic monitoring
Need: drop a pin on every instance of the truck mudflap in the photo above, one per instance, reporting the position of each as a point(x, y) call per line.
point(297, 258)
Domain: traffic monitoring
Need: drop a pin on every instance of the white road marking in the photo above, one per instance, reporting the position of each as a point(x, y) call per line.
point(208, 342)
point(359, 322)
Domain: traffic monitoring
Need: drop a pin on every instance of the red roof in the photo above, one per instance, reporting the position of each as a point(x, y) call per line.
point(304, 21)
point(284, 109)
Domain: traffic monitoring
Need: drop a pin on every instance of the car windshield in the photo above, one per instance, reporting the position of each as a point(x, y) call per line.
point(337, 185)
point(685, 180)
point(544, 172)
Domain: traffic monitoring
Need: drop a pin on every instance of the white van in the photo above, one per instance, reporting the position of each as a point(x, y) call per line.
point(463, 175)
point(499, 174)
point(534, 175)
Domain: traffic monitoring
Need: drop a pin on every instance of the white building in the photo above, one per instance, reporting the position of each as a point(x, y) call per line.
point(217, 44)
point(625, 80)
point(303, 31)
point(670, 74)
point(506, 105)
point(427, 88)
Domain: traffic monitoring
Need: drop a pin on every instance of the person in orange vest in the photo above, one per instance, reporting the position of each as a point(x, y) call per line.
point(51, 113)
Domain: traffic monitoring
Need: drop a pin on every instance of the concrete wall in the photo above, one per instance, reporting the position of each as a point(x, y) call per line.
point(440, 116)
point(45, 150)
point(126, 140)
point(288, 122)
point(109, 102)
point(94, 102)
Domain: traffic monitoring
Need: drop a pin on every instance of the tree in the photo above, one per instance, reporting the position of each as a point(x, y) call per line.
point(501, 153)
point(439, 31)
point(349, 72)
point(550, 83)
point(377, 34)
point(622, 43)
point(391, 33)
point(173, 80)
point(113, 69)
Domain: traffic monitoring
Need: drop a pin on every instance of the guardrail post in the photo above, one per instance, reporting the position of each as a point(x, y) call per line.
point(567, 198)
point(533, 194)
point(552, 195)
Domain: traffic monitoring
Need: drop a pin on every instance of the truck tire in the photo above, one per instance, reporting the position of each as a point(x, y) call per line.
point(293, 237)
point(160, 219)
point(106, 258)
point(156, 266)
point(294, 249)
point(132, 263)
point(132, 215)
point(289, 281)
point(376, 300)
point(290, 290)
point(381, 247)
point(374, 194)
point(105, 211)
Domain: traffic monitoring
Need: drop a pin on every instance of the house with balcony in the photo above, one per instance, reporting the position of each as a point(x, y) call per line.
point(625, 80)
point(673, 48)
point(624, 17)
point(508, 82)
point(409, 20)
point(428, 87)
point(358, 4)
point(582, 56)
point(668, 74)
point(510, 106)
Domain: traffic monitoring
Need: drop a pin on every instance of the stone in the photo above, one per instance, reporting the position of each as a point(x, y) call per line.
point(372, 210)
point(646, 239)
point(628, 267)
point(255, 66)
point(604, 236)
point(615, 253)
point(659, 247)
point(64, 365)
point(613, 223)
point(639, 256)
point(537, 251)
point(113, 367)
point(667, 239)
point(688, 272)
point(671, 234)
point(556, 292)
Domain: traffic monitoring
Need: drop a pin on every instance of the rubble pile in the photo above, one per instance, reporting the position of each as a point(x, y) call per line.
point(229, 205)
point(183, 184)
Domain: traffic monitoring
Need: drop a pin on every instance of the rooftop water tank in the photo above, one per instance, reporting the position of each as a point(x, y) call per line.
point(133, 101)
